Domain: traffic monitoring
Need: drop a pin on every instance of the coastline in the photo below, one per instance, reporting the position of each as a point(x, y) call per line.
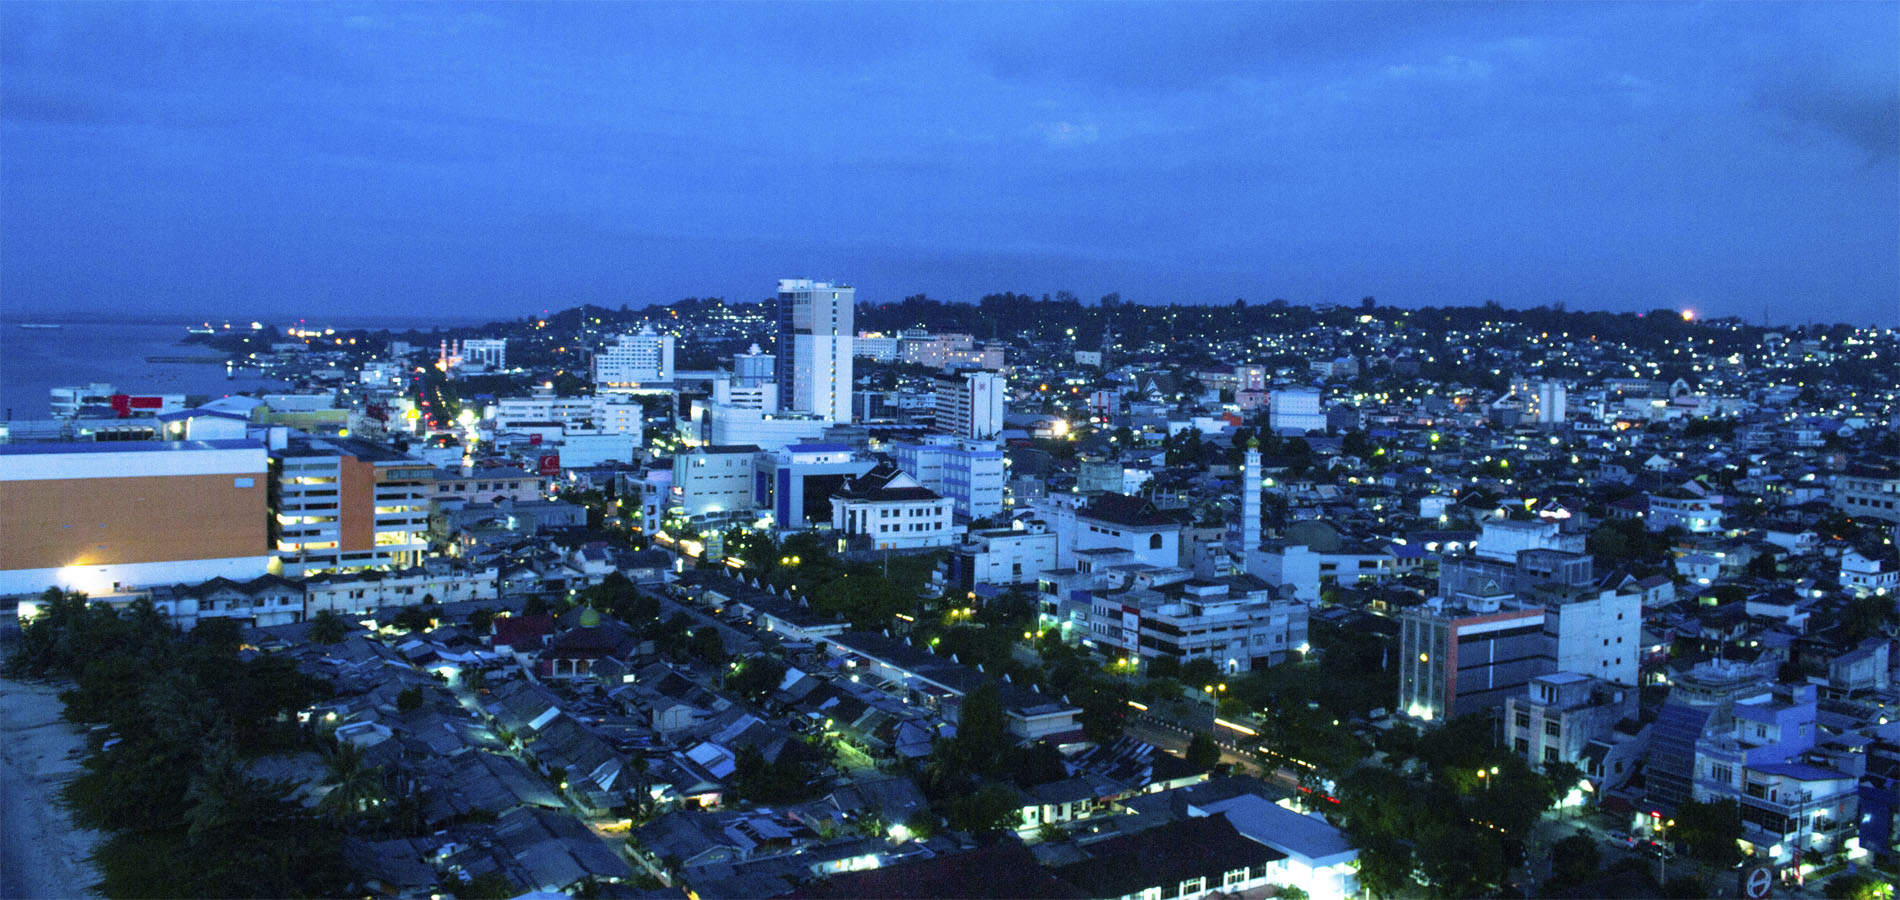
point(43, 855)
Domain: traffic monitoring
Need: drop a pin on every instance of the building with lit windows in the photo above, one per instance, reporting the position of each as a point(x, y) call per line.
point(970, 474)
point(1295, 411)
point(633, 362)
point(814, 347)
point(971, 405)
point(344, 504)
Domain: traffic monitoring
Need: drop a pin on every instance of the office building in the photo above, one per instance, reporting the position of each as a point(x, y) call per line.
point(107, 517)
point(1455, 661)
point(970, 474)
point(1015, 555)
point(814, 347)
point(1235, 621)
point(797, 482)
point(971, 405)
point(633, 362)
point(762, 395)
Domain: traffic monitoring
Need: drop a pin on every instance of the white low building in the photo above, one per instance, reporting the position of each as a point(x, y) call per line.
point(1319, 859)
point(891, 511)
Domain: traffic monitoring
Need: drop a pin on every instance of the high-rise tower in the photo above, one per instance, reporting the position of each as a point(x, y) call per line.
point(1250, 500)
point(814, 347)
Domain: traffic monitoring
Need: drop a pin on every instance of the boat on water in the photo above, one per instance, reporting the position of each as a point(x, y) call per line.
point(200, 329)
point(41, 325)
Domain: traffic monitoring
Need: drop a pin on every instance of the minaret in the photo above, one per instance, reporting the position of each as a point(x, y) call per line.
point(1250, 501)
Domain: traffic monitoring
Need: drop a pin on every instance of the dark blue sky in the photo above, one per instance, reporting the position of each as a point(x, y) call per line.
point(496, 159)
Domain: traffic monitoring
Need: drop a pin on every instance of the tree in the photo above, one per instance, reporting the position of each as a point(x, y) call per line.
point(1199, 671)
point(1763, 566)
point(414, 618)
point(708, 646)
point(1164, 666)
point(1858, 887)
point(1575, 859)
point(756, 678)
point(1710, 831)
point(488, 886)
point(1202, 752)
point(990, 808)
point(982, 742)
point(1685, 887)
point(353, 787)
point(481, 620)
point(1865, 617)
point(409, 699)
point(326, 627)
point(867, 600)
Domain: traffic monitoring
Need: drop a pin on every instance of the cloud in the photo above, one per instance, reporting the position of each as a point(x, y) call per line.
point(1066, 134)
point(1860, 112)
point(1449, 67)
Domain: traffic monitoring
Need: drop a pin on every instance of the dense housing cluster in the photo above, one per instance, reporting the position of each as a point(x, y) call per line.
point(824, 597)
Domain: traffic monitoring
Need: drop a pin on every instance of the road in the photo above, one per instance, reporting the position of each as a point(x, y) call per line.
point(739, 642)
point(1174, 738)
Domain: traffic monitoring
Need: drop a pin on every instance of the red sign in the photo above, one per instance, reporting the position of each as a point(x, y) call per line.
point(550, 464)
point(534, 440)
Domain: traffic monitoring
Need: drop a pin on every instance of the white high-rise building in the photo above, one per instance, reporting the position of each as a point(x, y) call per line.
point(1295, 411)
point(490, 352)
point(1545, 401)
point(971, 405)
point(632, 362)
point(814, 347)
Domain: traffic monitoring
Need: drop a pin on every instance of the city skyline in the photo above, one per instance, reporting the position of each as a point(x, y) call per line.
point(492, 161)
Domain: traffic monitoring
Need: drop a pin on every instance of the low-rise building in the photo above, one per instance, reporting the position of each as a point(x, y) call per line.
point(1872, 491)
point(1017, 555)
point(886, 509)
point(1559, 716)
point(1235, 621)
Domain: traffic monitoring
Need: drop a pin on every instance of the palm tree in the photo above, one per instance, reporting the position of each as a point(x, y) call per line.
point(353, 786)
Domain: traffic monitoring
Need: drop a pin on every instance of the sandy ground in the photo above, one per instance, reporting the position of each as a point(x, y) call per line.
point(41, 854)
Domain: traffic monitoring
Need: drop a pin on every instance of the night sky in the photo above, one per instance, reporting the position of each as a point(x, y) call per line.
point(496, 159)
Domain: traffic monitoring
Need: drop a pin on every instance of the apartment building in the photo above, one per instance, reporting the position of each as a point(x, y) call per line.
point(1561, 714)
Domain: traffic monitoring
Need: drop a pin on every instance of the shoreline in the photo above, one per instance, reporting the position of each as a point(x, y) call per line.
point(43, 855)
